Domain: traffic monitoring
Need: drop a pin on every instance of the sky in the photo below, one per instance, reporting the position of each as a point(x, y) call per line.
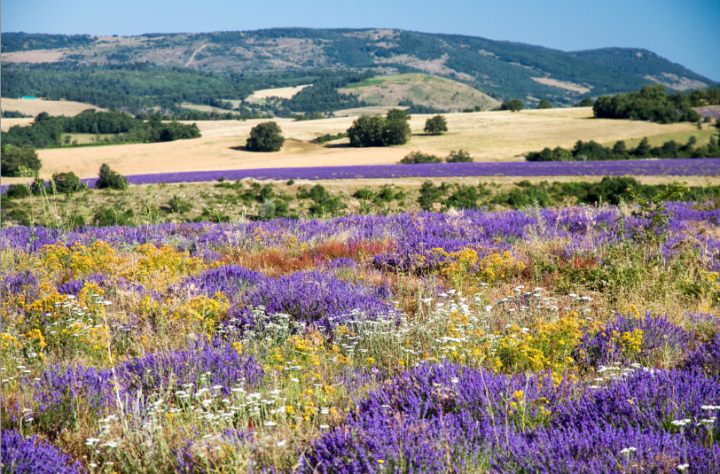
point(686, 32)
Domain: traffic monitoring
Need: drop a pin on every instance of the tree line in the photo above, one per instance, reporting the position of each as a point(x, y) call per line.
point(593, 151)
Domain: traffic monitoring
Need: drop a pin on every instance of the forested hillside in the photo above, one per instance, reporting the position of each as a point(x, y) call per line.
point(103, 71)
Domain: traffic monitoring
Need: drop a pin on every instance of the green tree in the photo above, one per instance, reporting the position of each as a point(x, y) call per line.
point(619, 148)
point(586, 102)
point(436, 125)
point(18, 161)
point(544, 104)
point(396, 132)
point(513, 105)
point(67, 183)
point(367, 130)
point(108, 178)
point(398, 114)
point(643, 148)
point(265, 137)
point(459, 156)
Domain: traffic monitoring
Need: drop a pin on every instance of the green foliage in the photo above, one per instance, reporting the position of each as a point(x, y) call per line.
point(459, 156)
point(380, 131)
point(108, 178)
point(323, 203)
point(655, 212)
point(650, 103)
point(18, 191)
point(465, 197)
point(364, 194)
point(14, 114)
point(19, 161)
point(436, 125)
point(544, 104)
point(430, 194)
point(67, 183)
point(328, 137)
point(177, 205)
point(586, 102)
point(46, 131)
point(265, 137)
point(593, 151)
point(266, 211)
point(322, 96)
point(418, 157)
point(703, 97)
point(513, 105)
point(108, 216)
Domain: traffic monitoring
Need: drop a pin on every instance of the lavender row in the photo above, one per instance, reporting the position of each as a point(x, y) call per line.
point(676, 167)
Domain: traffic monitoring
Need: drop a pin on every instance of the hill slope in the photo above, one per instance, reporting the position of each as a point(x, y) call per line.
point(503, 69)
point(420, 89)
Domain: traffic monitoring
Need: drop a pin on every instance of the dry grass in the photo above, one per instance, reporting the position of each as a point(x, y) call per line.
point(422, 89)
point(568, 86)
point(8, 123)
point(488, 136)
point(36, 56)
point(281, 92)
point(52, 107)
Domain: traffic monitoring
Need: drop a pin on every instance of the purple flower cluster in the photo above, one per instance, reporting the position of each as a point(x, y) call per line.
point(59, 391)
point(612, 344)
point(34, 456)
point(316, 298)
point(445, 417)
point(706, 358)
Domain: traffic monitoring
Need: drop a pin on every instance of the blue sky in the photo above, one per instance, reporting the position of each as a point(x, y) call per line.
point(684, 31)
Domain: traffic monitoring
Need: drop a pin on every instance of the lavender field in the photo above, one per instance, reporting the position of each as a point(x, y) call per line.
point(665, 167)
point(566, 340)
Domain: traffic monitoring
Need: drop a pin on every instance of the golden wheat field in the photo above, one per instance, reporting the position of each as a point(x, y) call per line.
point(52, 107)
point(488, 136)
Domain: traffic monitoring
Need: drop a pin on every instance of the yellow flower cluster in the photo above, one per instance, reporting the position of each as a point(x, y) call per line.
point(465, 266)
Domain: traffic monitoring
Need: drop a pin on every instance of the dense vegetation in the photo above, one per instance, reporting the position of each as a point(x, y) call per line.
point(493, 66)
point(323, 96)
point(418, 157)
point(650, 103)
point(19, 161)
point(14, 114)
point(376, 130)
point(513, 105)
point(593, 151)
point(436, 125)
point(46, 131)
point(265, 137)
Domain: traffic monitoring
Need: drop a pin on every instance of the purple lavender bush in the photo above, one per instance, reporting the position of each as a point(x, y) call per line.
point(632, 338)
point(34, 456)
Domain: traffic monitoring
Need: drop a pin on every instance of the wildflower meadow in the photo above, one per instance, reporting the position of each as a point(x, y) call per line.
point(568, 340)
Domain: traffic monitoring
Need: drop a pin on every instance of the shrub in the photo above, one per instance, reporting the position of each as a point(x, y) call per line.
point(513, 105)
point(267, 210)
point(544, 104)
point(586, 102)
point(178, 206)
point(459, 156)
point(108, 178)
point(364, 194)
point(265, 137)
point(67, 182)
point(436, 125)
point(106, 217)
point(18, 191)
point(17, 161)
point(418, 157)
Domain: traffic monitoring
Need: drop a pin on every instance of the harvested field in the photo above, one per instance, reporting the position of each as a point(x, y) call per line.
point(488, 136)
point(34, 57)
point(281, 92)
point(7, 123)
point(53, 107)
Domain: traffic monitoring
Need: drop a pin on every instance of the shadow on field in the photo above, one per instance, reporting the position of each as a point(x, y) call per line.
point(239, 148)
point(338, 145)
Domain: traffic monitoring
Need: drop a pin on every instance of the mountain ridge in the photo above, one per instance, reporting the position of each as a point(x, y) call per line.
point(503, 69)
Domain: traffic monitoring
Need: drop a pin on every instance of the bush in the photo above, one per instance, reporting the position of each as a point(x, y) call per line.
point(459, 156)
point(364, 194)
point(106, 217)
point(380, 131)
point(178, 206)
point(436, 125)
point(265, 137)
point(67, 183)
point(544, 104)
point(513, 105)
point(108, 178)
point(18, 191)
point(586, 102)
point(18, 161)
point(650, 103)
point(418, 157)
point(266, 210)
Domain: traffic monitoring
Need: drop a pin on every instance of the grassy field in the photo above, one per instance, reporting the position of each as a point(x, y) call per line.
point(488, 136)
point(422, 89)
point(208, 200)
point(53, 107)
